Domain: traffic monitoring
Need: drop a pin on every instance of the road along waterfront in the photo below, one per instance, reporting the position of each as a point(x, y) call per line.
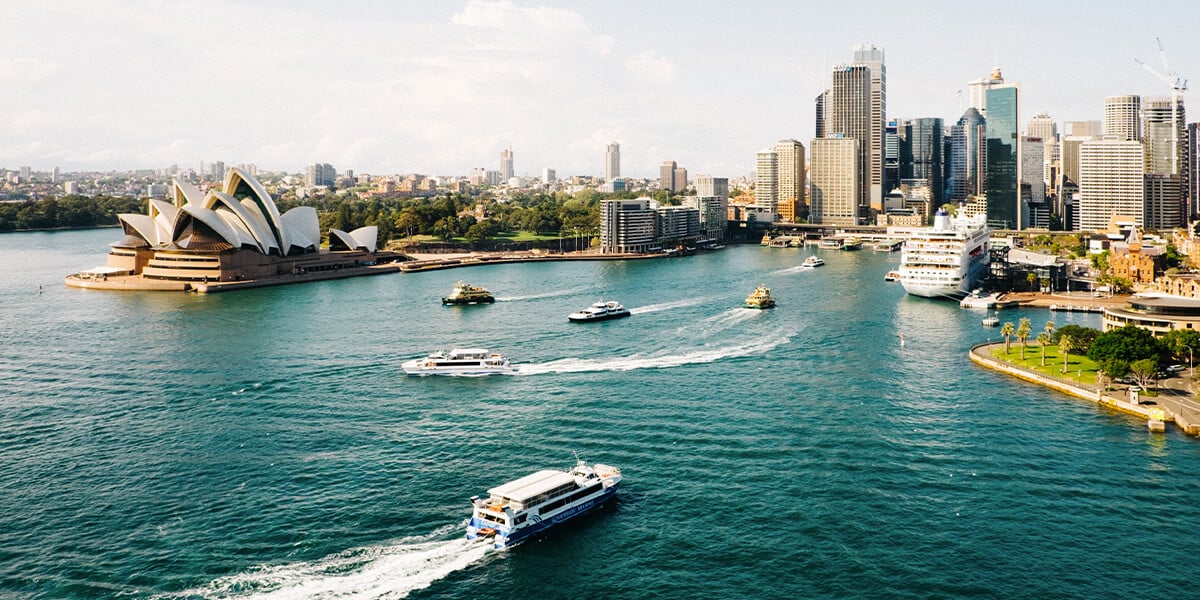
point(227, 445)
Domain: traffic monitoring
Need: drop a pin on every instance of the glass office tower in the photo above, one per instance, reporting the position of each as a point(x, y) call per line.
point(1002, 182)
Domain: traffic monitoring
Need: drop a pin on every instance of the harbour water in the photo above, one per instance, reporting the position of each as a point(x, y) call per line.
point(265, 443)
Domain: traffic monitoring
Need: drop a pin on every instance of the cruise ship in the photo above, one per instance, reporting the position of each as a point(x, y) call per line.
point(519, 509)
point(462, 362)
point(946, 260)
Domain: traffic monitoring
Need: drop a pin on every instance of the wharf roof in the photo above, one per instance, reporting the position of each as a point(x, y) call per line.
point(531, 485)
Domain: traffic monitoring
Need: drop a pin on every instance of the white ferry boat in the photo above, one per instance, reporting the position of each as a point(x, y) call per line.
point(813, 262)
point(600, 311)
point(520, 509)
point(946, 260)
point(462, 362)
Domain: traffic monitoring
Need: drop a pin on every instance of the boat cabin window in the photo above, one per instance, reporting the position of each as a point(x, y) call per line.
point(520, 519)
point(561, 502)
point(493, 518)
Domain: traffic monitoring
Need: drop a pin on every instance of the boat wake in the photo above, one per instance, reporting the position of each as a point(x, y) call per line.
point(653, 308)
point(553, 294)
point(374, 572)
point(719, 322)
point(653, 361)
point(792, 270)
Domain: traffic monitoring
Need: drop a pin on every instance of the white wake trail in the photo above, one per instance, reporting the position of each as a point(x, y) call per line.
point(637, 361)
point(653, 308)
point(373, 572)
point(719, 322)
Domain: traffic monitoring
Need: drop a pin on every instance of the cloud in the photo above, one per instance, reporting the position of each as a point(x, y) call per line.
point(27, 71)
point(504, 15)
point(649, 67)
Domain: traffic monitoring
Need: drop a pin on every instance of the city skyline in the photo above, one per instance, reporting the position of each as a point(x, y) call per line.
point(404, 87)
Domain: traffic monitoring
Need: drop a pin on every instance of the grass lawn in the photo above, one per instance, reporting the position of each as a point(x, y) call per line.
point(1080, 369)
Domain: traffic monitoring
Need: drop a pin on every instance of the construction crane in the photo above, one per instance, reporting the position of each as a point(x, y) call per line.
point(1178, 87)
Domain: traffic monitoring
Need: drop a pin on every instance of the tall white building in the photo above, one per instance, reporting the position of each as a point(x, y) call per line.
point(1123, 117)
point(1033, 154)
point(833, 182)
point(790, 178)
point(977, 90)
point(857, 108)
point(612, 162)
point(506, 164)
point(1111, 182)
point(766, 179)
point(549, 175)
point(1164, 147)
point(1042, 126)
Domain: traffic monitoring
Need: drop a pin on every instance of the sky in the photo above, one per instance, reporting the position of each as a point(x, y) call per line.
point(438, 88)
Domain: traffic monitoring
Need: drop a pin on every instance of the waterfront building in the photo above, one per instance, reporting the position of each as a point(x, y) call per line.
point(676, 224)
point(612, 161)
point(712, 212)
point(791, 179)
point(707, 185)
point(626, 225)
point(231, 233)
point(1111, 182)
point(833, 181)
point(1123, 117)
point(1003, 171)
point(1158, 315)
point(967, 156)
point(506, 164)
point(766, 179)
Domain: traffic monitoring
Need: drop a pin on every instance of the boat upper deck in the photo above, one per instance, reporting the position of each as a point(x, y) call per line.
point(533, 485)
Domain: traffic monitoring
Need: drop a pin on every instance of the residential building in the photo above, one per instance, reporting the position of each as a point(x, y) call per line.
point(680, 180)
point(790, 179)
point(1003, 173)
point(549, 176)
point(766, 179)
point(666, 175)
point(506, 164)
point(1111, 183)
point(315, 175)
point(627, 225)
point(833, 181)
point(676, 224)
point(612, 162)
point(713, 213)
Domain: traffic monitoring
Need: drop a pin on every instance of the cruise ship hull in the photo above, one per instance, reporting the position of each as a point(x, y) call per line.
point(944, 261)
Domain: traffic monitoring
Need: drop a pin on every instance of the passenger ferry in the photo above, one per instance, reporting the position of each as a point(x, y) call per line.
point(468, 294)
point(600, 311)
point(813, 262)
point(519, 509)
point(760, 298)
point(852, 243)
point(946, 260)
point(462, 362)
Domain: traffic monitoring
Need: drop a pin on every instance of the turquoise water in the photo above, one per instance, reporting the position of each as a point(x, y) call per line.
point(265, 442)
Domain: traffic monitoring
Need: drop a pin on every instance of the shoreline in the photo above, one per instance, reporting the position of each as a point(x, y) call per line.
point(1155, 414)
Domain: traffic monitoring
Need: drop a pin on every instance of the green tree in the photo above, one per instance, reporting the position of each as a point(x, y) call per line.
point(1081, 337)
point(1066, 344)
point(1182, 343)
point(1007, 330)
point(1128, 343)
point(1032, 278)
point(1143, 371)
point(1113, 368)
point(1043, 339)
point(1024, 330)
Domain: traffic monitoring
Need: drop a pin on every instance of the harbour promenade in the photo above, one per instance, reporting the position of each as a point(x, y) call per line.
point(1175, 403)
point(433, 262)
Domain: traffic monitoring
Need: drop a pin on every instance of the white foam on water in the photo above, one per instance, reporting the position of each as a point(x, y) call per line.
point(660, 361)
point(374, 572)
point(554, 294)
point(653, 308)
point(792, 270)
point(719, 322)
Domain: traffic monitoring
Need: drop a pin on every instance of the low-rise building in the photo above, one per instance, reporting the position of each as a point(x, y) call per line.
point(1158, 315)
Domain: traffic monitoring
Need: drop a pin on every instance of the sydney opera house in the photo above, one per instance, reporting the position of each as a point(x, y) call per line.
point(227, 238)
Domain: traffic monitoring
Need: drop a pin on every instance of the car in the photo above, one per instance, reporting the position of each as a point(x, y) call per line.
point(1176, 368)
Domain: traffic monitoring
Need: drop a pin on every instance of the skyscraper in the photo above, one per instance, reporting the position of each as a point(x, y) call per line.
point(679, 181)
point(1042, 126)
point(977, 90)
point(1111, 182)
point(967, 157)
point(1163, 134)
point(709, 186)
point(822, 110)
point(849, 115)
point(872, 56)
point(1002, 180)
point(766, 179)
point(612, 162)
point(923, 138)
point(666, 175)
point(833, 181)
point(1123, 117)
point(506, 164)
point(891, 155)
point(1192, 172)
point(1033, 154)
point(791, 178)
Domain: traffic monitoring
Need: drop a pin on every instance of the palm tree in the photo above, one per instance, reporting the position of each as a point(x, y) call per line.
point(1023, 331)
point(1043, 338)
point(1007, 330)
point(1050, 328)
point(1065, 345)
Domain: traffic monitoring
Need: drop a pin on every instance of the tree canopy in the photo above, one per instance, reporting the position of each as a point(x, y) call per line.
point(1128, 344)
point(1081, 337)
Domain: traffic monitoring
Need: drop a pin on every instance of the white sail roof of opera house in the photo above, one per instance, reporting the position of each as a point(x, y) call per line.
point(363, 237)
point(241, 214)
